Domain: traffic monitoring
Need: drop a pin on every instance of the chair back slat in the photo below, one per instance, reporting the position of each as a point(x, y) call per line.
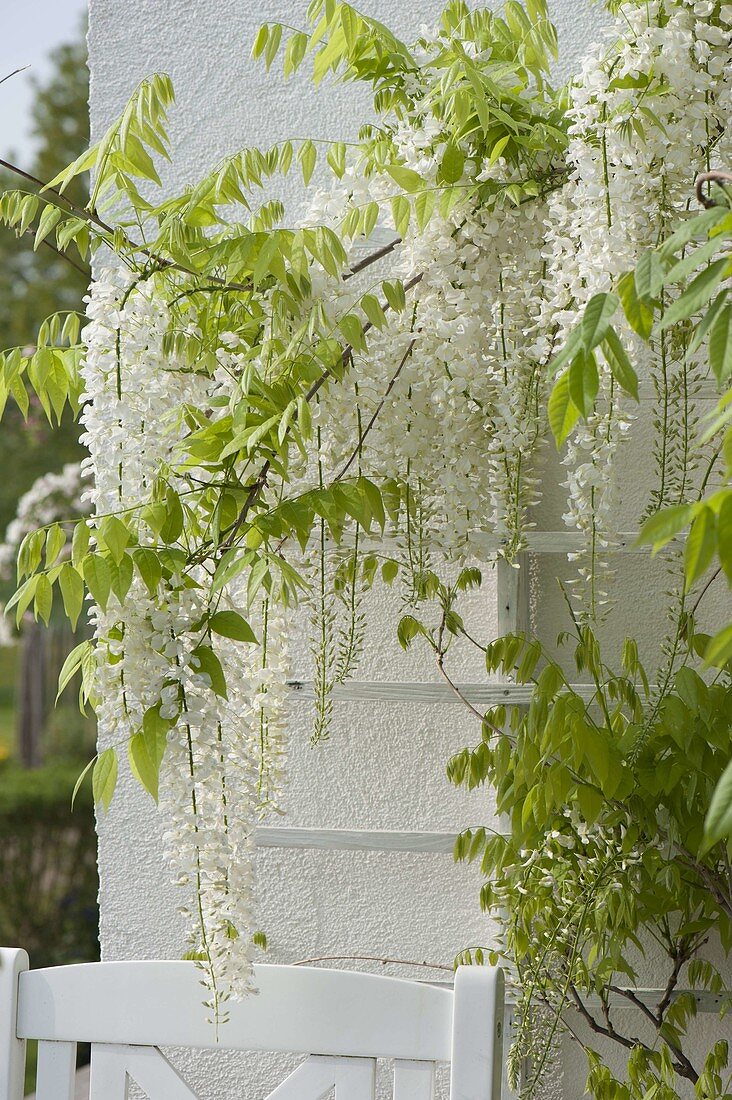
point(317, 1077)
point(477, 1034)
point(56, 1071)
point(297, 1010)
point(113, 1066)
point(13, 962)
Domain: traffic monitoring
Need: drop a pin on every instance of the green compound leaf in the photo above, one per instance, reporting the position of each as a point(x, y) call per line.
point(104, 778)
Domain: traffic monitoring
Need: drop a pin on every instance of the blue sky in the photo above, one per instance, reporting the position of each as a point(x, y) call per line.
point(30, 30)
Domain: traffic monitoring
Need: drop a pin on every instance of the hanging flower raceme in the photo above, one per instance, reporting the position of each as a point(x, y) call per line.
point(644, 118)
point(212, 714)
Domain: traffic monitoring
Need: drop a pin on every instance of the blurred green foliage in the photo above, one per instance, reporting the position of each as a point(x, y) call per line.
point(35, 284)
point(48, 901)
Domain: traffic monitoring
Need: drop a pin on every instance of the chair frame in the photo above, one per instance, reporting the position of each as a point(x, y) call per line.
point(342, 1020)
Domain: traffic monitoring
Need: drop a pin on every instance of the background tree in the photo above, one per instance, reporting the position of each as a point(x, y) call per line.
point(33, 285)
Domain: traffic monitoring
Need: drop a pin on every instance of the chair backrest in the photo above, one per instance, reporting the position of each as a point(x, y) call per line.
point(343, 1021)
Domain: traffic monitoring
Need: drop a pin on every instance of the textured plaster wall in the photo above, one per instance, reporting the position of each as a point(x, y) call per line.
point(384, 765)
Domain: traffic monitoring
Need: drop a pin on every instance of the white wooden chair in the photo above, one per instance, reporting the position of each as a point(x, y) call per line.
point(343, 1021)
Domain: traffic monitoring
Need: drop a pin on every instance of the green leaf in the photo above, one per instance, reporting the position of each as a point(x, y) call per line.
point(596, 319)
point(707, 321)
point(48, 220)
point(620, 365)
point(146, 750)
point(173, 526)
point(72, 665)
point(307, 157)
point(720, 344)
point(273, 44)
point(691, 229)
point(407, 179)
point(639, 314)
point(394, 294)
point(597, 754)
point(408, 629)
point(724, 534)
point(230, 624)
point(424, 206)
point(649, 276)
point(584, 382)
point(568, 351)
point(209, 665)
point(55, 542)
point(115, 536)
point(718, 822)
point(719, 650)
point(374, 313)
point(149, 567)
point(452, 164)
point(104, 778)
point(693, 261)
point(700, 545)
point(563, 414)
point(697, 294)
point(260, 40)
point(664, 525)
point(352, 329)
point(80, 542)
point(43, 598)
point(336, 158)
point(98, 578)
point(80, 780)
point(400, 212)
point(389, 571)
point(72, 592)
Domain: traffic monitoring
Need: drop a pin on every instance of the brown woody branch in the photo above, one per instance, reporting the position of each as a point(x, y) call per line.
point(717, 177)
point(376, 412)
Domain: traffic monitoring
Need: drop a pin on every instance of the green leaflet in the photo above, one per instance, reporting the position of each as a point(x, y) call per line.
point(562, 412)
point(104, 778)
point(230, 624)
point(697, 294)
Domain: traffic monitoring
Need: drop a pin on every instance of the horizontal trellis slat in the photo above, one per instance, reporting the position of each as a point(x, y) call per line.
point(354, 840)
point(485, 694)
point(537, 542)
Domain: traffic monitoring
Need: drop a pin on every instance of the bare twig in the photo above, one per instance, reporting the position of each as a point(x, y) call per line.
point(608, 1031)
point(706, 588)
point(630, 995)
point(367, 261)
point(93, 219)
point(14, 73)
point(67, 259)
point(374, 417)
point(681, 1063)
point(718, 177)
point(373, 958)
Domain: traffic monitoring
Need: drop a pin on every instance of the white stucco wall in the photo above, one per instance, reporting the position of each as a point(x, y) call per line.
point(384, 765)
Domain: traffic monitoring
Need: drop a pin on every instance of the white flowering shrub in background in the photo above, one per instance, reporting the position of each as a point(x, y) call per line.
point(276, 415)
point(53, 498)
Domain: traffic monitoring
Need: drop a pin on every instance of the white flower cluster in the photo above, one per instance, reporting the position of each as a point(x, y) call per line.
point(643, 119)
point(461, 368)
point(147, 644)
